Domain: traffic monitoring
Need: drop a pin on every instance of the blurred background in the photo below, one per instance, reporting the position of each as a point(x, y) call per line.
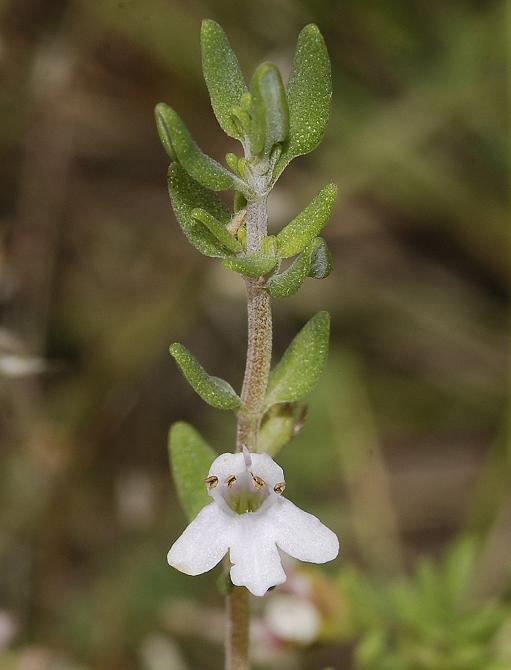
point(404, 453)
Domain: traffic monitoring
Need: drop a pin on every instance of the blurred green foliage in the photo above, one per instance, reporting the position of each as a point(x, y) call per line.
point(406, 452)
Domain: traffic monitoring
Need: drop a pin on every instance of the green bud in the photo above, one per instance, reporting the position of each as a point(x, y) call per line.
point(232, 161)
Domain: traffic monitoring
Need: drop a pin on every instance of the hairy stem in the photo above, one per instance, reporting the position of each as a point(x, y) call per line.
point(259, 336)
point(249, 417)
point(238, 620)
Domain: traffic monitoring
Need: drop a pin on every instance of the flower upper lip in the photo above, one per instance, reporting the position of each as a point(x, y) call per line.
point(253, 537)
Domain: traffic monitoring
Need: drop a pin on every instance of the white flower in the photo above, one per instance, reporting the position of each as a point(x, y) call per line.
point(249, 518)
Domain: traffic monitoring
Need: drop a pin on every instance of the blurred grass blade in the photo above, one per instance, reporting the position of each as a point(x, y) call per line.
point(186, 195)
point(201, 167)
point(287, 283)
point(321, 261)
point(213, 390)
point(270, 116)
point(218, 230)
point(190, 459)
point(302, 364)
point(309, 92)
point(223, 75)
point(307, 225)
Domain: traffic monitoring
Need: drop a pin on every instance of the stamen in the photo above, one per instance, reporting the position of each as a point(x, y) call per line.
point(258, 482)
point(230, 480)
point(211, 481)
point(278, 488)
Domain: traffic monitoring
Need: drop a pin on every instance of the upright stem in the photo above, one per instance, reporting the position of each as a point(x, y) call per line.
point(249, 417)
point(238, 621)
point(259, 336)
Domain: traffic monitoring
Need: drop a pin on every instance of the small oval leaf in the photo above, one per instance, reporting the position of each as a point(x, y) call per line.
point(218, 230)
point(287, 283)
point(309, 93)
point(201, 167)
point(223, 75)
point(294, 237)
point(270, 116)
point(321, 261)
point(190, 459)
point(186, 195)
point(301, 366)
point(213, 390)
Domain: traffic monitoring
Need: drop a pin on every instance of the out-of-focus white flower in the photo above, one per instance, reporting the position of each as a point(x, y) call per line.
point(161, 653)
point(292, 619)
point(15, 365)
point(250, 518)
point(8, 629)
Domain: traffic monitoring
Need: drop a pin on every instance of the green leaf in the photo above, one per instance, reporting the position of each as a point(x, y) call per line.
point(218, 230)
point(190, 459)
point(309, 92)
point(186, 195)
point(321, 261)
point(256, 264)
point(300, 367)
point(223, 75)
point(270, 116)
point(163, 133)
point(308, 224)
point(201, 167)
point(213, 390)
point(287, 283)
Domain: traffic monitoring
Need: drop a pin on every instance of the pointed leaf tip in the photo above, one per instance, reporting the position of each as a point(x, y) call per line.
point(213, 390)
point(190, 459)
point(222, 72)
point(309, 93)
point(307, 225)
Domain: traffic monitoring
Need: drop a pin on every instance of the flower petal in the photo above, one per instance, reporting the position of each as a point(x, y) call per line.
point(302, 535)
point(255, 559)
point(203, 543)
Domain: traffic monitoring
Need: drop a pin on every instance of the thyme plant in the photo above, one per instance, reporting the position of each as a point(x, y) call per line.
point(248, 517)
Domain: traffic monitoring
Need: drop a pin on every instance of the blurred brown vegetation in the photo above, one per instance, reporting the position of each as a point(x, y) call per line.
point(406, 441)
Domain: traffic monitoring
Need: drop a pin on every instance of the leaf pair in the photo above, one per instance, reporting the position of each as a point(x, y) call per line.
point(296, 118)
point(291, 379)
